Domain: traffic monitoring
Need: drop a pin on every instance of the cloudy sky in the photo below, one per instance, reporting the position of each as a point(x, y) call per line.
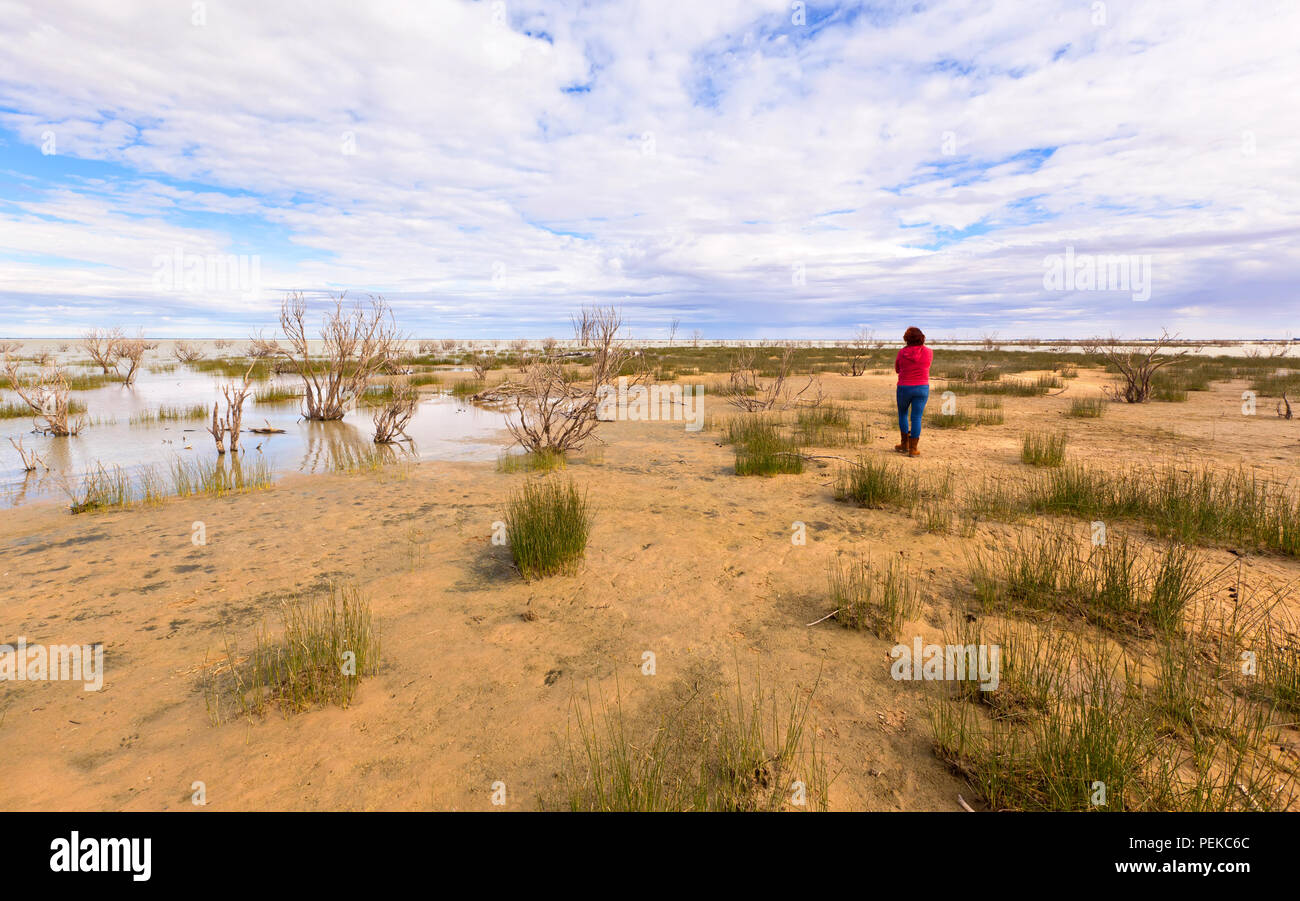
point(752, 169)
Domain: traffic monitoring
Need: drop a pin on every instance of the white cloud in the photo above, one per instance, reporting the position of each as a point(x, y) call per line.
point(693, 166)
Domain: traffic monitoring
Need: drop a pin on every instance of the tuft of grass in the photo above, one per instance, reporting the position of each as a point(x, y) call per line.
point(1191, 505)
point(277, 394)
point(171, 414)
point(1043, 448)
point(467, 388)
point(327, 646)
point(1005, 387)
point(828, 425)
point(761, 449)
point(878, 600)
point(1097, 734)
point(874, 483)
point(544, 460)
point(984, 415)
point(1087, 408)
point(547, 526)
point(218, 479)
point(100, 489)
point(754, 751)
point(1119, 584)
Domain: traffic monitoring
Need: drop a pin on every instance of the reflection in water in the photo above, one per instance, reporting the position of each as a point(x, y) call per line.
point(124, 431)
point(330, 442)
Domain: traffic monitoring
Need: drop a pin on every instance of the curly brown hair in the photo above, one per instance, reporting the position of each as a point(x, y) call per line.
point(914, 336)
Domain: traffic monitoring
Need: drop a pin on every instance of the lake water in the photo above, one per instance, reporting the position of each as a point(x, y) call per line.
point(443, 428)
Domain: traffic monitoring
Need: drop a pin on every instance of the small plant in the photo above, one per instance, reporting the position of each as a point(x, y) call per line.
point(879, 600)
point(328, 645)
point(547, 525)
point(752, 752)
point(874, 483)
point(467, 388)
point(219, 478)
point(1043, 448)
point(1087, 408)
point(1119, 584)
point(531, 461)
point(100, 489)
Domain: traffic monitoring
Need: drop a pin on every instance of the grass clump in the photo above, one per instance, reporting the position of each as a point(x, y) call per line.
point(1043, 448)
point(874, 483)
point(762, 450)
point(466, 388)
point(217, 479)
point(327, 646)
point(547, 526)
point(544, 460)
point(171, 414)
point(1190, 505)
point(100, 489)
point(878, 600)
point(828, 425)
point(1055, 760)
point(1087, 408)
point(277, 394)
point(1119, 584)
point(752, 751)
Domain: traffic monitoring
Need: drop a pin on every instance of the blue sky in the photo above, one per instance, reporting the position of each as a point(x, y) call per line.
point(752, 169)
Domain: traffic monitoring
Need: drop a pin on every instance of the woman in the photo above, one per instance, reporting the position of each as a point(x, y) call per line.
point(913, 367)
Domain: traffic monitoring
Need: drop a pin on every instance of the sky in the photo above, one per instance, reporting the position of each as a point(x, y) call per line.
point(748, 169)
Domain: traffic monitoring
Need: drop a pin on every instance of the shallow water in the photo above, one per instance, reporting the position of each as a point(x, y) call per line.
point(443, 428)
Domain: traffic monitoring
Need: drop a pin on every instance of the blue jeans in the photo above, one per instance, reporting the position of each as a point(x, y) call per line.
point(913, 396)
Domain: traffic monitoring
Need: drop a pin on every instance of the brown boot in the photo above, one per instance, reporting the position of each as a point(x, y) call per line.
point(911, 447)
point(901, 446)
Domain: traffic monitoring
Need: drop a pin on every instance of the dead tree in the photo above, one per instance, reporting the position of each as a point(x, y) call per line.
point(218, 429)
point(101, 346)
point(131, 351)
point(235, 398)
point(231, 424)
point(748, 390)
point(479, 363)
point(30, 458)
point(357, 343)
point(391, 419)
point(559, 414)
point(1137, 368)
point(861, 343)
point(49, 397)
point(186, 353)
point(1285, 414)
point(975, 372)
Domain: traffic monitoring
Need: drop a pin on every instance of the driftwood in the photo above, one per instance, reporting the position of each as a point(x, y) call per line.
point(269, 430)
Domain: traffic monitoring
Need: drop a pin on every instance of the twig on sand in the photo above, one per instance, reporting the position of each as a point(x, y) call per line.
point(826, 617)
point(965, 806)
point(820, 457)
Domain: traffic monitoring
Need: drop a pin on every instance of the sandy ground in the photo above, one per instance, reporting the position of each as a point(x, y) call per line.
point(686, 560)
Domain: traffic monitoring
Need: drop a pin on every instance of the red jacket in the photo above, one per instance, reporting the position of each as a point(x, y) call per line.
point(913, 365)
